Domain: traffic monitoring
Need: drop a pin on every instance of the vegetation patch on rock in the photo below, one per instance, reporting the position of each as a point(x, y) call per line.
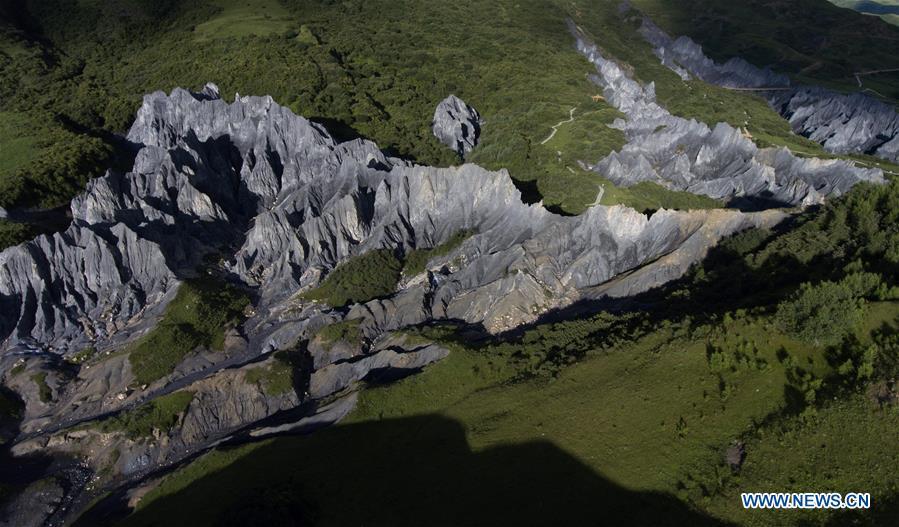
point(197, 316)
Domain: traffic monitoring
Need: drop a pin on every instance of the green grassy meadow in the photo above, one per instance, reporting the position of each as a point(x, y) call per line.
point(244, 18)
point(649, 418)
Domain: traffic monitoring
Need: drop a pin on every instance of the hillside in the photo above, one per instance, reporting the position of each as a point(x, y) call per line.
point(77, 66)
point(539, 262)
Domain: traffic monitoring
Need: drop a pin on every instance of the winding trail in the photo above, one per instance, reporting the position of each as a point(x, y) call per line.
point(560, 123)
point(760, 88)
point(858, 74)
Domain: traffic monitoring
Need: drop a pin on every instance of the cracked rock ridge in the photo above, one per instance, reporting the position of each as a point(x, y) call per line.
point(457, 125)
point(854, 123)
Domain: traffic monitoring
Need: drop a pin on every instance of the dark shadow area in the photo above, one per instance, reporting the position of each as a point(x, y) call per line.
point(339, 130)
point(757, 203)
point(28, 483)
point(530, 194)
point(558, 210)
point(883, 513)
point(413, 471)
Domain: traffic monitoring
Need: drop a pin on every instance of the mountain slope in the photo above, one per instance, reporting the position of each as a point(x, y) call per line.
point(706, 293)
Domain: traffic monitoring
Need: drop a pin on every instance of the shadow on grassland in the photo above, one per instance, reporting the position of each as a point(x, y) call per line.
point(416, 471)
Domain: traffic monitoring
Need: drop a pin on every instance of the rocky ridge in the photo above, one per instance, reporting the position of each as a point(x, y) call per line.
point(720, 161)
point(854, 123)
point(279, 204)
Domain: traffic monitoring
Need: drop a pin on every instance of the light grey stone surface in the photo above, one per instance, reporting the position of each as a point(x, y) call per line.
point(284, 203)
point(457, 125)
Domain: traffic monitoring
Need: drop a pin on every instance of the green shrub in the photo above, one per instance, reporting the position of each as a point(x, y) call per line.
point(276, 378)
point(361, 278)
point(346, 331)
point(821, 314)
point(44, 392)
point(15, 233)
point(83, 355)
point(416, 260)
point(159, 414)
point(197, 316)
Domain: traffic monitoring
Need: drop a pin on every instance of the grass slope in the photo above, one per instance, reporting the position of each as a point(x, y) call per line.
point(243, 18)
point(650, 417)
point(16, 148)
point(362, 278)
point(159, 414)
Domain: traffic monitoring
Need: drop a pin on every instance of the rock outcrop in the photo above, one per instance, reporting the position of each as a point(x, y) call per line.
point(457, 125)
point(720, 161)
point(853, 123)
point(285, 203)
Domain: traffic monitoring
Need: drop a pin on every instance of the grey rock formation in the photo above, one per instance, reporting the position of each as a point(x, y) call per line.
point(286, 203)
point(282, 203)
point(853, 123)
point(81, 284)
point(34, 505)
point(685, 57)
point(457, 125)
point(842, 123)
point(719, 162)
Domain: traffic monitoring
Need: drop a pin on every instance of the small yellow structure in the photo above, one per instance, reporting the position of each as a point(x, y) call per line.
point(598, 98)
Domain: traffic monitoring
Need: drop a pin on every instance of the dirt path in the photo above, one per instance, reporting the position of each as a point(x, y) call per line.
point(762, 88)
point(859, 74)
point(599, 195)
point(560, 123)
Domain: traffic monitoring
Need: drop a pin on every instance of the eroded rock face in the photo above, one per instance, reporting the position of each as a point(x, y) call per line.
point(285, 203)
point(84, 283)
point(842, 123)
point(457, 125)
point(280, 204)
point(721, 161)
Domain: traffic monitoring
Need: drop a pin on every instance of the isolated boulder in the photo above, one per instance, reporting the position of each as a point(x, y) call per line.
point(457, 125)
